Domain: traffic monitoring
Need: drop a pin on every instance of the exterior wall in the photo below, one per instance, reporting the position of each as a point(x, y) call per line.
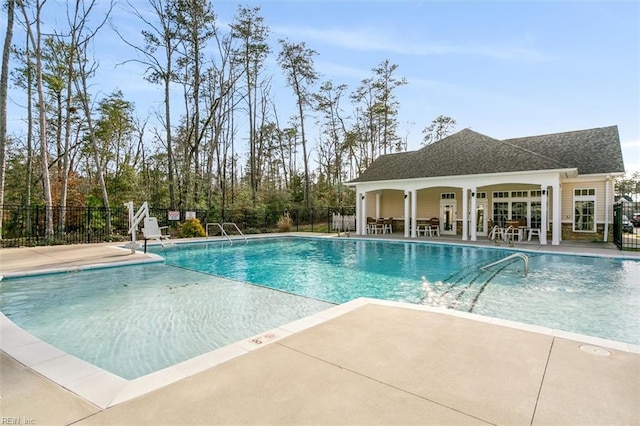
point(600, 211)
point(429, 201)
point(568, 234)
point(392, 203)
point(567, 199)
point(371, 205)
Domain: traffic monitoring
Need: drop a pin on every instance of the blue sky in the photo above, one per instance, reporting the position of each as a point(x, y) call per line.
point(504, 69)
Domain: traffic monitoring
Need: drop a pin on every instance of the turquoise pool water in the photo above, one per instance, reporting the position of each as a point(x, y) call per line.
point(137, 319)
point(583, 294)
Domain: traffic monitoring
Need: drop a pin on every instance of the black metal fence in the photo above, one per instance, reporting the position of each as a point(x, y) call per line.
point(27, 226)
point(626, 225)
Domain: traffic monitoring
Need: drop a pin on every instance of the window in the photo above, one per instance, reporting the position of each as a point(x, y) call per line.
point(584, 210)
point(500, 213)
point(481, 195)
point(517, 204)
point(519, 210)
point(519, 194)
point(448, 196)
point(536, 214)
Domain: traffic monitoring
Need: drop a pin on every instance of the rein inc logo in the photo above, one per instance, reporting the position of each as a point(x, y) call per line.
point(16, 421)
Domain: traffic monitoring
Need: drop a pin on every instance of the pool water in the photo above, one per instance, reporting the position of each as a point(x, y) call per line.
point(134, 320)
point(137, 319)
point(588, 295)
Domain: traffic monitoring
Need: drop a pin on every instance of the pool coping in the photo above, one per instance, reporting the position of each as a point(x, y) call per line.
point(104, 389)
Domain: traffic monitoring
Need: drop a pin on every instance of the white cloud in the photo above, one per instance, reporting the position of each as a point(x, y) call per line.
point(365, 39)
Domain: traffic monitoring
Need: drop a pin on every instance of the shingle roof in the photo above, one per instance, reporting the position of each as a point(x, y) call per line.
point(468, 153)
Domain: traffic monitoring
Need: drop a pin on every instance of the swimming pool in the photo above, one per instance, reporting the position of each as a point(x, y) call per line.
point(138, 319)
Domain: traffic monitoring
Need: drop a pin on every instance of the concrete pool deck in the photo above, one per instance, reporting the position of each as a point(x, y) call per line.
point(367, 362)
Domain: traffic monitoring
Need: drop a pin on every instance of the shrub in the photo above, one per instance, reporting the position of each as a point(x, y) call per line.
point(191, 228)
point(285, 223)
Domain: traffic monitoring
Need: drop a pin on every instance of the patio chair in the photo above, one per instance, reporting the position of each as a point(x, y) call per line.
point(388, 226)
point(514, 228)
point(423, 227)
point(434, 227)
point(371, 225)
point(152, 231)
point(495, 232)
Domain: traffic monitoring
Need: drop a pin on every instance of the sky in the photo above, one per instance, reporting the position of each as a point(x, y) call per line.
point(503, 69)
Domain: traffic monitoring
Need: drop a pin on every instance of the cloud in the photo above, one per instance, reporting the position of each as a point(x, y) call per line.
point(373, 40)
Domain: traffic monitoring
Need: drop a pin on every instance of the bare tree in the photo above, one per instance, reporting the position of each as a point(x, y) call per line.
point(331, 152)
point(81, 37)
point(252, 34)
point(160, 37)
point(4, 87)
point(297, 62)
point(36, 41)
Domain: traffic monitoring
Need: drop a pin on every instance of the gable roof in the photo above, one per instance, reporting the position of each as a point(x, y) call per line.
point(468, 153)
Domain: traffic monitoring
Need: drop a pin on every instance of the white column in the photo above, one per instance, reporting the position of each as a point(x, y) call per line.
point(359, 215)
point(363, 209)
point(543, 220)
point(465, 214)
point(607, 207)
point(474, 217)
point(377, 204)
point(556, 235)
point(414, 213)
point(406, 213)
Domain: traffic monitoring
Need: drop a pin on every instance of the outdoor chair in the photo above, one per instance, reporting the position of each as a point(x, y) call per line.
point(434, 227)
point(371, 225)
point(388, 226)
point(151, 231)
point(424, 228)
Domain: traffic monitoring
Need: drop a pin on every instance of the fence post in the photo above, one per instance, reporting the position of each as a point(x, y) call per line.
point(88, 224)
point(37, 224)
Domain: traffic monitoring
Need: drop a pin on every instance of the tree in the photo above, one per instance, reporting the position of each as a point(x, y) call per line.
point(441, 127)
point(629, 185)
point(36, 41)
point(161, 38)
point(331, 152)
point(296, 60)
point(81, 38)
point(252, 34)
point(386, 107)
point(195, 27)
point(114, 132)
point(4, 88)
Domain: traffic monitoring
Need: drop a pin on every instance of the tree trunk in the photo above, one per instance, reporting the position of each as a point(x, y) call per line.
point(4, 78)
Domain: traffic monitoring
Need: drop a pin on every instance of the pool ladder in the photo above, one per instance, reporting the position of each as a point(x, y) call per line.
point(522, 256)
point(223, 232)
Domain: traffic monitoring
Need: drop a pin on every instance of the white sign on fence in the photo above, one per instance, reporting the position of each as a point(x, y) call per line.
point(174, 215)
point(189, 215)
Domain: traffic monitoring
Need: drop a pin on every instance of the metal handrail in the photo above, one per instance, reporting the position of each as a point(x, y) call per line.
point(522, 256)
point(222, 231)
point(237, 229)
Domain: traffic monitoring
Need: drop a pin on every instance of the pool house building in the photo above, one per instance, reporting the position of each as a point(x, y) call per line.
point(557, 186)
